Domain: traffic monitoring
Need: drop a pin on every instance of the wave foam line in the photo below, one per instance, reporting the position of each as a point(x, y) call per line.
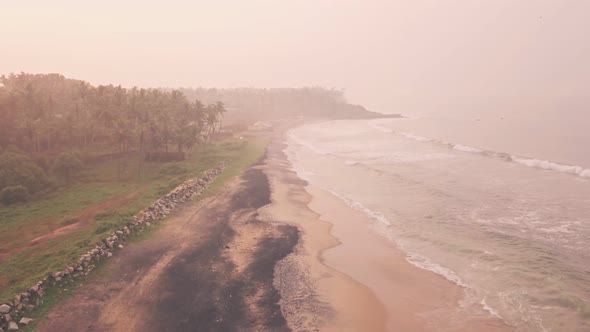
point(351, 162)
point(360, 207)
point(414, 259)
point(426, 264)
point(530, 162)
point(489, 309)
point(552, 166)
point(306, 144)
point(416, 137)
point(379, 127)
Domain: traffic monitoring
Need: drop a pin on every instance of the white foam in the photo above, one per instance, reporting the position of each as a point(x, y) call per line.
point(378, 216)
point(530, 162)
point(376, 125)
point(425, 264)
point(416, 137)
point(489, 309)
point(549, 165)
point(305, 144)
point(561, 229)
point(351, 162)
point(466, 148)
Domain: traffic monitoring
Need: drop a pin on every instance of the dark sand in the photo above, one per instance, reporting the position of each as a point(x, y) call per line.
point(209, 268)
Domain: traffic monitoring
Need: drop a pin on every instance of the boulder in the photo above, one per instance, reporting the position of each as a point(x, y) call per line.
point(12, 326)
point(25, 320)
point(5, 308)
point(33, 290)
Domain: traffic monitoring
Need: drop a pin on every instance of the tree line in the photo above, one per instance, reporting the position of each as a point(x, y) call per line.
point(47, 121)
point(47, 112)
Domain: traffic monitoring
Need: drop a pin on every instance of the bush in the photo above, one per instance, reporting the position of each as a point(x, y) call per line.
point(18, 169)
point(14, 194)
point(43, 162)
point(173, 169)
point(68, 164)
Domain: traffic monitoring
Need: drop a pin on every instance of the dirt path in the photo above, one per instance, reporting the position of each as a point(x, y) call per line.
point(85, 218)
point(209, 268)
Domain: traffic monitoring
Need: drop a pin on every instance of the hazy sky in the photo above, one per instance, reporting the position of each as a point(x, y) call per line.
point(389, 55)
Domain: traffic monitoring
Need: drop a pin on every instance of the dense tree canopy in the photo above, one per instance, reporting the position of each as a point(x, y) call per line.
point(51, 113)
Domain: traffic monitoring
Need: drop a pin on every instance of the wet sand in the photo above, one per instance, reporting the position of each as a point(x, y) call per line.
point(353, 279)
point(314, 296)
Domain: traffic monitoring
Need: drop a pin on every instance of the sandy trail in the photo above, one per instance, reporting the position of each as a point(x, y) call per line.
point(208, 268)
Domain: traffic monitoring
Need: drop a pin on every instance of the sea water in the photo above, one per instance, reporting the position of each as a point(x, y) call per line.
point(508, 222)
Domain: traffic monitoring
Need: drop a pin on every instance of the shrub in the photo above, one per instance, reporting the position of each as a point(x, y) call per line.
point(105, 227)
point(43, 162)
point(173, 169)
point(68, 164)
point(18, 169)
point(14, 194)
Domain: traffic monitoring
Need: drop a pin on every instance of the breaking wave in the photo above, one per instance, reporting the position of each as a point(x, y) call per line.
point(414, 259)
point(466, 148)
point(549, 165)
point(417, 138)
point(380, 127)
point(530, 162)
point(378, 216)
point(305, 143)
point(425, 264)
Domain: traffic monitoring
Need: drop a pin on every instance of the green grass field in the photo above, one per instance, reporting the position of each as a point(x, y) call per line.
point(132, 183)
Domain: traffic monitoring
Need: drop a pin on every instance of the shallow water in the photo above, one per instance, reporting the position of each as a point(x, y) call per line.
point(513, 231)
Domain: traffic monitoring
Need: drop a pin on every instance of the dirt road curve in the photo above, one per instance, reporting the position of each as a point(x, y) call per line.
point(209, 268)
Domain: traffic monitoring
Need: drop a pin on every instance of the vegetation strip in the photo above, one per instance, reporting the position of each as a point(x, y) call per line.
point(12, 311)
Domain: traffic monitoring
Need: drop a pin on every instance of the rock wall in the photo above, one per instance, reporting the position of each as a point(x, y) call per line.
point(12, 313)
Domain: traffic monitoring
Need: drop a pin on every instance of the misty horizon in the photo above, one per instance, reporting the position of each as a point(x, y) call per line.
point(389, 57)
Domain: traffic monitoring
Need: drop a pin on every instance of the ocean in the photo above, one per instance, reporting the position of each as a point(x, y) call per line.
point(496, 205)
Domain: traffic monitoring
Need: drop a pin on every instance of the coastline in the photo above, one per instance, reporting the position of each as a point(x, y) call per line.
point(268, 252)
point(314, 296)
point(356, 279)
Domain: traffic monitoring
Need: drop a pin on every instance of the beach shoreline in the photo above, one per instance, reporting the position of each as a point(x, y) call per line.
point(356, 279)
point(313, 295)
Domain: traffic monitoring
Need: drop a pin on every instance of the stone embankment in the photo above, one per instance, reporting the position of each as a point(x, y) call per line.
point(12, 313)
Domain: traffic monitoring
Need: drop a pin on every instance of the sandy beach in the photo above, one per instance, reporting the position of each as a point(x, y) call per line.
point(352, 279)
